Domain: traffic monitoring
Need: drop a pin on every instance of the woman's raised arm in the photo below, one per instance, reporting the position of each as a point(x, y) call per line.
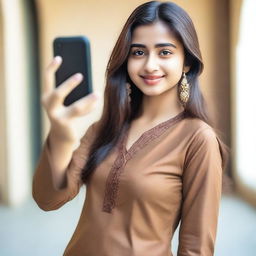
point(54, 181)
point(44, 191)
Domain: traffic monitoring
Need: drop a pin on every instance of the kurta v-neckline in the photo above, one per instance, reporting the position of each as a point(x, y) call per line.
point(124, 155)
point(148, 133)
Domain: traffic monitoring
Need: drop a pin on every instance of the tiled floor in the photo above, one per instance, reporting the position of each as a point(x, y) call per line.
point(29, 231)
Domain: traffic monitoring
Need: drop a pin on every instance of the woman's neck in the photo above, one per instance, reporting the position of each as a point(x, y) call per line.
point(160, 107)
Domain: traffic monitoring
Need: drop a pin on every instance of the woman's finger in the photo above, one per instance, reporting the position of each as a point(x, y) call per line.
point(49, 82)
point(82, 106)
point(64, 89)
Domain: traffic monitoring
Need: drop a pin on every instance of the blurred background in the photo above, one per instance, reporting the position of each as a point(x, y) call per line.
point(27, 29)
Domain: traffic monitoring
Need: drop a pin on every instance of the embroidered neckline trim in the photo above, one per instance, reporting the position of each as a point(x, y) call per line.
point(124, 155)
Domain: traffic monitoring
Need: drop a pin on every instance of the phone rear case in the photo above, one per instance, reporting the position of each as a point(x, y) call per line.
point(75, 52)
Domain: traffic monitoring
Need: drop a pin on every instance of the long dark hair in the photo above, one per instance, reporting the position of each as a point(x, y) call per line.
point(118, 112)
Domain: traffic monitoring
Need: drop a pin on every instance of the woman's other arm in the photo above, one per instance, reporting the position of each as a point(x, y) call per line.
point(202, 187)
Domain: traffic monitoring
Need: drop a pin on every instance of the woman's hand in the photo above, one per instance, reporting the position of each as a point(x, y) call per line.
point(52, 99)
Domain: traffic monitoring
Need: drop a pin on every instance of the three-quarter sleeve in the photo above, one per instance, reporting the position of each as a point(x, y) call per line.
point(201, 192)
point(44, 193)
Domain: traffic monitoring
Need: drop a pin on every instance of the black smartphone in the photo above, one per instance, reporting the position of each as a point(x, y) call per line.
point(76, 58)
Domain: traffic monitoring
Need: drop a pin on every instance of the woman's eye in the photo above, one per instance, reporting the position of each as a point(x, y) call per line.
point(141, 53)
point(137, 53)
point(165, 52)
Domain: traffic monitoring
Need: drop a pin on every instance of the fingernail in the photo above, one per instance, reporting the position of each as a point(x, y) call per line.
point(57, 59)
point(78, 76)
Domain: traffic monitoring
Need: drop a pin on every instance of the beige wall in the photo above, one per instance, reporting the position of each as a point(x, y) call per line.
point(102, 21)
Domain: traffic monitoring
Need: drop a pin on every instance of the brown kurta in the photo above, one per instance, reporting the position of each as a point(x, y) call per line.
point(136, 197)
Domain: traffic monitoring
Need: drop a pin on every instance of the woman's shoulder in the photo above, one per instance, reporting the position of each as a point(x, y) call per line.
point(195, 127)
point(201, 139)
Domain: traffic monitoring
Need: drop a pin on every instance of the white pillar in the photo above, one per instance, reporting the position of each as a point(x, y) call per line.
point(17, 170)
point(245, 100)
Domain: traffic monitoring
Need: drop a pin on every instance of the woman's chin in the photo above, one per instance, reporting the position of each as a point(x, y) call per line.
point(152, 93)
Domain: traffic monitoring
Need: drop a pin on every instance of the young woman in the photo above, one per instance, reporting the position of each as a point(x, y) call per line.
point(153, 160)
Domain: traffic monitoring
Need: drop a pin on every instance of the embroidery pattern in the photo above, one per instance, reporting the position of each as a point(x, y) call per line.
point(112, 183)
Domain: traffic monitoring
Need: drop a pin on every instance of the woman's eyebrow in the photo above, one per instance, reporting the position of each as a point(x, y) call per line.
point(156, 45)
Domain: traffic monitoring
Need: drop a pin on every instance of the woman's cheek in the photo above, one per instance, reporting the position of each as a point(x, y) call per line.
point(130, 67)
point(174, 67)
point(133, 68)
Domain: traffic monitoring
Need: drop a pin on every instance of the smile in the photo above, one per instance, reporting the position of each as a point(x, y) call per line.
point(151, 80)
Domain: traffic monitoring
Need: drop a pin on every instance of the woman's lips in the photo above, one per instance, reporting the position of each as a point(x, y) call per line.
point(151, 80)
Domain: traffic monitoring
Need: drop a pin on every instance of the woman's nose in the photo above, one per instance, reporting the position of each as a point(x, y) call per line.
point(151, 63)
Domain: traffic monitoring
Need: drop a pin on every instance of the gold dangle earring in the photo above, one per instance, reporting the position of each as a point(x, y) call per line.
point(129, 91)
point(184, 90)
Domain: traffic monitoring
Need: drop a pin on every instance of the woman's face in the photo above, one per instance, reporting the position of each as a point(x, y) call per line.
point(156, 59)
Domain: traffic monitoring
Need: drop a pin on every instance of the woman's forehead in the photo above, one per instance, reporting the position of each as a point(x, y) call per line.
point(153, 34)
